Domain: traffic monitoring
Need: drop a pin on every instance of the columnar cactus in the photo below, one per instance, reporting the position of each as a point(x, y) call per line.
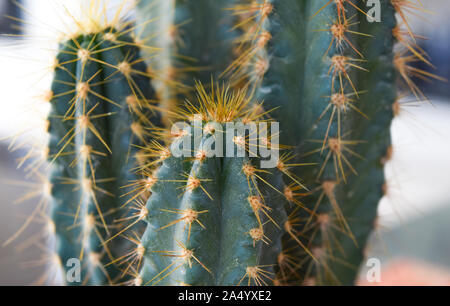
point(214, 220)
point(330, 70)
point(101, 111)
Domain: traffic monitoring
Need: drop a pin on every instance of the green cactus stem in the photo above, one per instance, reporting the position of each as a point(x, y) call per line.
point(101, 110)
point(213, 220)
point(329, 73)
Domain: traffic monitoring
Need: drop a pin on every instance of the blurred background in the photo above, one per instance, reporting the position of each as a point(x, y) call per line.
point(413, 226)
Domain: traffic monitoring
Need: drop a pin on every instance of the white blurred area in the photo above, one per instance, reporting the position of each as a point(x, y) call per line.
point(26, 63)
point(418, 175)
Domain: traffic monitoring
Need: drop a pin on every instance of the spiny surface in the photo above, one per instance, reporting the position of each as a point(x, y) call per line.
point(101, 106)
point(194, 39)
point(212, 220)
point(329, 72)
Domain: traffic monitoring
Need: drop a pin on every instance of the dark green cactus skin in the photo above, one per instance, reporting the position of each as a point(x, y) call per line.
point(222, 244)
point(68, 243)
point(195, 37)
point(157, 35)
point(85, 188)
point(298, 73)
point(299, 80)
point(362, 193)
point(207, 38)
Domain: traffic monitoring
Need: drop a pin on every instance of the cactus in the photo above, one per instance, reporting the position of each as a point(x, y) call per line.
point(330, 70)
point(327, 71)
point(101, 110)
point(213, 220)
